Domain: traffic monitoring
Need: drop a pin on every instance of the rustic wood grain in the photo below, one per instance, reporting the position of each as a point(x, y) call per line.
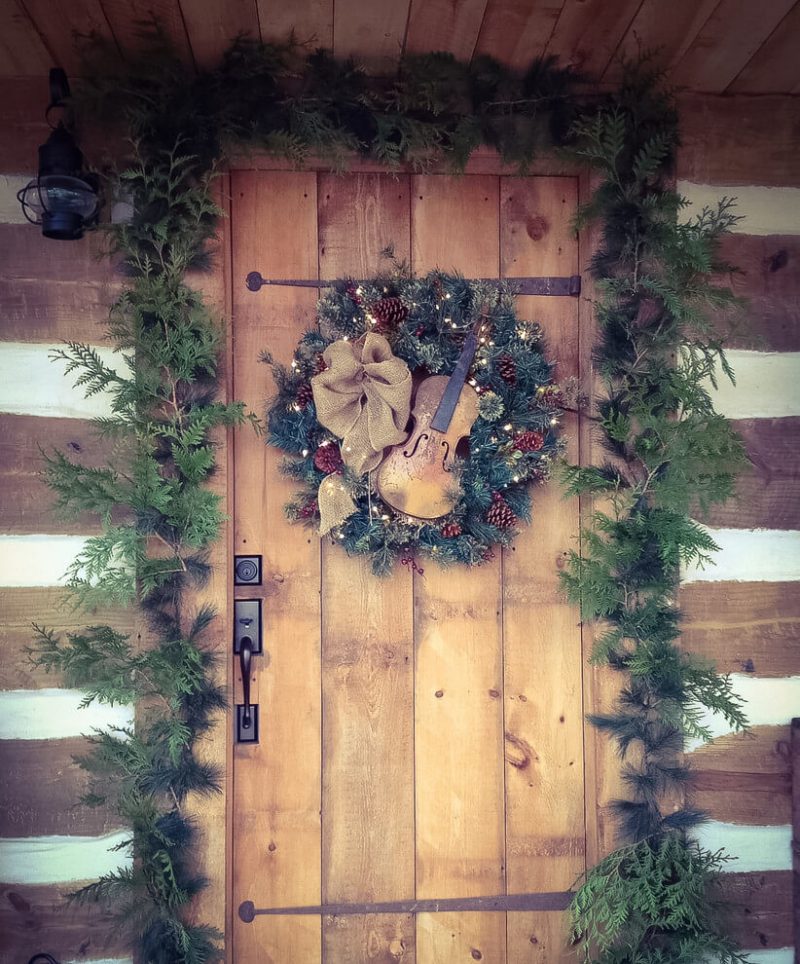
point(767, 277)
point(768, 489)
point(744, 627)
point(30, 258)
point(46, 607)
point(739, 140)
point(277, 856)
point(26, 503)
point(66, 33)
point(378, 938)
point(367, 651)
point(664, 31)
point(757, 908)
point(213, 905)
point(458, 629)
point(41, 789)
point(23, 52)
point(795, 751)
point(127, 16)
point(372, 34)
point(516, 32)
point(22, 103)
point(445, 25)
point(744, 777)
point(213, 24)
point(727, 40)
point(775, 65)
point(588, 33)
point(311, 21)
point(35, 918)
point(545, 835)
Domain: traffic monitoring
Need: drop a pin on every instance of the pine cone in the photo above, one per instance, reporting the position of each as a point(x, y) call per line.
point(352, 293)
point(508, 369)
point(309, 510)
point(304, 395)
point(529, 441)
point(328, 458)
point(388, 312)
point(451, 529)
point(500, 514)
point(319, 365)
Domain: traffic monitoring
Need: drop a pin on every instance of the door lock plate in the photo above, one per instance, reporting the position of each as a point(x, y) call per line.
point(247, 623)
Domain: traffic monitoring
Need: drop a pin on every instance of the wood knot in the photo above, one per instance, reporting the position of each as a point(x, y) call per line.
point(521, 755)
point(476, 954)
point(778, 260)
point(537, 227)
point(439, 694)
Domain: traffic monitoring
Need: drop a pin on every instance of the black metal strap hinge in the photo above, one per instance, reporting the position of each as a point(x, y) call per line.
point(558, 286)
point(553, 900)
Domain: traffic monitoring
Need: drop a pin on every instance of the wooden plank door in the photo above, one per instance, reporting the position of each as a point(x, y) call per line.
point(421, 735)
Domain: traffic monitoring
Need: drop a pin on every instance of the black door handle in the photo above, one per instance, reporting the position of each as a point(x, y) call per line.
point(245, 664)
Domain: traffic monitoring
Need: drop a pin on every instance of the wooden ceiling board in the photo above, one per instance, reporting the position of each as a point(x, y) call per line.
point(65, 26)
point(588, 32)
point(729, 38)
point(371, 32)
point(22, 51)
point(310, 20)
point(212, 24)
point(516, 32)
point(776, 64)
point(450, 25)
point(128, 17)
point(666, 30)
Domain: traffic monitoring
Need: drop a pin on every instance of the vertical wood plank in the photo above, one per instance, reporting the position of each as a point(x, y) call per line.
point(795, 750)
point(458, 629)
point(367, 652)
point(449, 25)
point(213, 904)
point(545, 835)
point(372, 33)
point(516, 32)
point(277, 855)
point(311, 21)
point(213, 24)
point(729, 38)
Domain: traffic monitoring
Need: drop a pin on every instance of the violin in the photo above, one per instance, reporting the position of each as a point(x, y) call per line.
point(416, 477)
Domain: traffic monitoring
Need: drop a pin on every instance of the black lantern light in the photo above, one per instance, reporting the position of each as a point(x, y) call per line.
point(62, 199)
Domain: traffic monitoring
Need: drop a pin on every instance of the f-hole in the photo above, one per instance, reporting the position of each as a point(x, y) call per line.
point(413, 452)
point(446, 447)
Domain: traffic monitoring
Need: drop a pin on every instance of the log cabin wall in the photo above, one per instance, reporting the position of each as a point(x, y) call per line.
point(744, 613)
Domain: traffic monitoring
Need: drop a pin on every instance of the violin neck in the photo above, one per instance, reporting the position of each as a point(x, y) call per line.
point(444, 413)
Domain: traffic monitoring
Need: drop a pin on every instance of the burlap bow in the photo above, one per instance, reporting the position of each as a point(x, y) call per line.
point(364, 398)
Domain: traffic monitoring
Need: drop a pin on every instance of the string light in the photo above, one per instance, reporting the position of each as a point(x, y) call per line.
point(305, 453)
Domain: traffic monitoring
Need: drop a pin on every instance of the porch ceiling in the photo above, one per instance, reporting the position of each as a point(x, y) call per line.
point(714, 46)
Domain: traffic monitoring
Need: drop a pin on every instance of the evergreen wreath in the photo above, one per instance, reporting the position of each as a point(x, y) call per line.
point(651, 900)
point(513, 442)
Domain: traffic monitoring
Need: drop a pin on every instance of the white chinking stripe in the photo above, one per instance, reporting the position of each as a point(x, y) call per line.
point(37, 560)
point(767, 385)
point(750, 555)
point(764, 210)
point(782, 955)
point(31, 383)
point(10, 210)
point(769, 702)
point(755, 848)
point(55, 714)
point(60, 859)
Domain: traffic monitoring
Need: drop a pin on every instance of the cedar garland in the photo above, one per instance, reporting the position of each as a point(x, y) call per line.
point(668, 450)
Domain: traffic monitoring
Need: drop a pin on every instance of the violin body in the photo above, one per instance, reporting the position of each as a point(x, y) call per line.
point(416, 477)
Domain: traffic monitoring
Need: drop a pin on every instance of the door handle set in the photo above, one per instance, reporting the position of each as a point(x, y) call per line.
point(247, 643)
